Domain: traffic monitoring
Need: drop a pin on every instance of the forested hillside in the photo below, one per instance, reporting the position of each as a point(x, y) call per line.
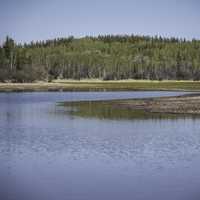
point(106, 57)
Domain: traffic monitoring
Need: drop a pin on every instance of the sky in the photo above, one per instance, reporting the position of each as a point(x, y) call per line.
point(31, 20)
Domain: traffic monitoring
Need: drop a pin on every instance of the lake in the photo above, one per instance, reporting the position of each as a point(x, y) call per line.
point(47, 153)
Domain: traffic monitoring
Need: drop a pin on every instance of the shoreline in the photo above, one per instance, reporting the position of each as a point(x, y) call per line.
point(188, 104)
point(157, 107)
point(98, 85)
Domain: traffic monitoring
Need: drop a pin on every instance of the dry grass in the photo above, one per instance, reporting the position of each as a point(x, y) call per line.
point(99, 85)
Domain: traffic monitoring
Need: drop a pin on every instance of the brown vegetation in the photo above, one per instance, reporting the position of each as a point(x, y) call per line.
point(187, 104)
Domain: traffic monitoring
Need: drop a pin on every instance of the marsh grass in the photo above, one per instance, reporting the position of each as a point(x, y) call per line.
point(98, 85)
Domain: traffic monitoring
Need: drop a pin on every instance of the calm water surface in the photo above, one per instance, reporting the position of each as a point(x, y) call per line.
point(47, 154)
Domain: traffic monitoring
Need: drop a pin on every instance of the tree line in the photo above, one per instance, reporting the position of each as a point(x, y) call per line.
point(107, 57)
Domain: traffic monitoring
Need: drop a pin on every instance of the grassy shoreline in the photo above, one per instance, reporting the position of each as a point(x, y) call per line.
point(98, 85)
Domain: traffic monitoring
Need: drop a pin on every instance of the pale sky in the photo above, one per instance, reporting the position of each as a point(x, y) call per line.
point(27, 20)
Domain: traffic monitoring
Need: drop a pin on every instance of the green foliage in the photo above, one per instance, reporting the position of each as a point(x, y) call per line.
point(110, 57)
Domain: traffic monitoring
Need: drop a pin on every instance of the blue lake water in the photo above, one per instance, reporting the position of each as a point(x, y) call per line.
point(46, 154)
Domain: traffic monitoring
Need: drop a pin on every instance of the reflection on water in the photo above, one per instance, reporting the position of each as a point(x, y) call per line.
point(46, 154)
point(113, 109)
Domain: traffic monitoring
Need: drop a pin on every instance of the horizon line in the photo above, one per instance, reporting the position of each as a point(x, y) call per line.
point(98, 35)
